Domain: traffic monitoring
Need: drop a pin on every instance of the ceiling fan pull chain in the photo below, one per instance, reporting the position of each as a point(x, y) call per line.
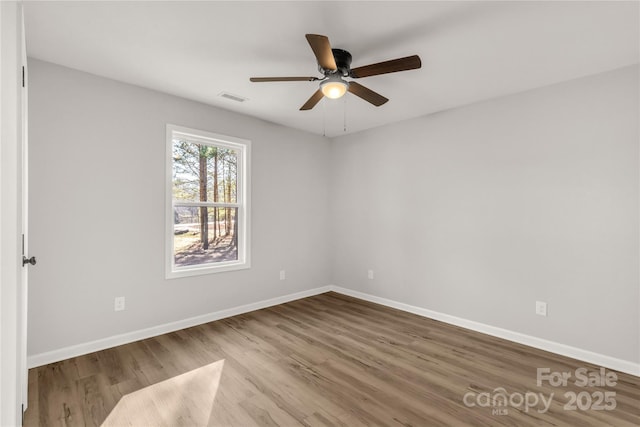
point(324, 118)
point(345, 114)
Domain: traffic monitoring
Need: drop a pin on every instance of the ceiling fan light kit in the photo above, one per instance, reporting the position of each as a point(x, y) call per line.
point(336, 64)
point(334, 87)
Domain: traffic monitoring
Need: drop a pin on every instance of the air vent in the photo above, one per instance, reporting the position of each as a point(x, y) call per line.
point(232, 97)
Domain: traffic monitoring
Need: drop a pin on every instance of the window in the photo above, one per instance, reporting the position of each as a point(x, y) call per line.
point(208, 202)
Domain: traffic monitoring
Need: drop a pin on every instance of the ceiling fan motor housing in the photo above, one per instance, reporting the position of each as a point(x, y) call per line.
point(343, 62)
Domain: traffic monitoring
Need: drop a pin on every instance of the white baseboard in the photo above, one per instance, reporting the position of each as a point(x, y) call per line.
point(554, 347)
point(129, 337)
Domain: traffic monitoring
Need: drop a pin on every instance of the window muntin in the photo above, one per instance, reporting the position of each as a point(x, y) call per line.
point(207, 202)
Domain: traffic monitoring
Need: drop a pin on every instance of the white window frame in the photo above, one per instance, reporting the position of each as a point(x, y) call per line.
point(243, 202)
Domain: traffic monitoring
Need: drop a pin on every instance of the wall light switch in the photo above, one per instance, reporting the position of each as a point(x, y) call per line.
point(118, 304)
point(283, 274)
point(541, 308)
point(370, 274)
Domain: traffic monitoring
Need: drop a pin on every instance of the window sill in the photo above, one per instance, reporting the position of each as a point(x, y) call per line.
point(206, 269)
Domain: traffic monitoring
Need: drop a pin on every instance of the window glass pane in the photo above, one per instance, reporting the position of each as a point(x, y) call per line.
point(186, 171)
point(204, 173)
point(223, 172)
point(204, 235)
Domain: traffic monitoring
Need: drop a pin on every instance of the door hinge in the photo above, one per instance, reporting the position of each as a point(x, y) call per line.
point(23, 244)
point(23, 76)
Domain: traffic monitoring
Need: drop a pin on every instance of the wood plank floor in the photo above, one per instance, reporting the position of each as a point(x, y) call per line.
point(327, 360)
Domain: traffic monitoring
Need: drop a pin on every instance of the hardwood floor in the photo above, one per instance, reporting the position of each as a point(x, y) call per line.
point(328, 360)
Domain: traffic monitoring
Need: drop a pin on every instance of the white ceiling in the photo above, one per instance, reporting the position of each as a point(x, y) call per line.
point(470, 51)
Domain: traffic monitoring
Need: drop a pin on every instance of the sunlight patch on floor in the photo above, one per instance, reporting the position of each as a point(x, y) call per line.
point(186, 399)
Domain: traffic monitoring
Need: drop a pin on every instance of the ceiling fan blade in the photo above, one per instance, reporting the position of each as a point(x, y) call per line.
point(283, 79)
point(322, 50)
point(367, 94)
point(315, 98)
point(392, 66)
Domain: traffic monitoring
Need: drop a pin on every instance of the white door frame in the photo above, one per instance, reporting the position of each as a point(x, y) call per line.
point(24, 289)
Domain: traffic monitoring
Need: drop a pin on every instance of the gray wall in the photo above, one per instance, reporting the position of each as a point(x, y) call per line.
point(97, 188)
point(480, 211)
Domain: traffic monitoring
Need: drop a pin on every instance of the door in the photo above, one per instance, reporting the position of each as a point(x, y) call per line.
point(13, 366)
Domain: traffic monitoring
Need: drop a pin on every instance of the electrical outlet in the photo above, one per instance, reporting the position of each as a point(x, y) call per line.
point(118, 304)
point(541, 308)
point(283, 274)
point(370, 274)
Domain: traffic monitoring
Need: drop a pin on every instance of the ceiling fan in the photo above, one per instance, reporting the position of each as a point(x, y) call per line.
point(335, 64)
